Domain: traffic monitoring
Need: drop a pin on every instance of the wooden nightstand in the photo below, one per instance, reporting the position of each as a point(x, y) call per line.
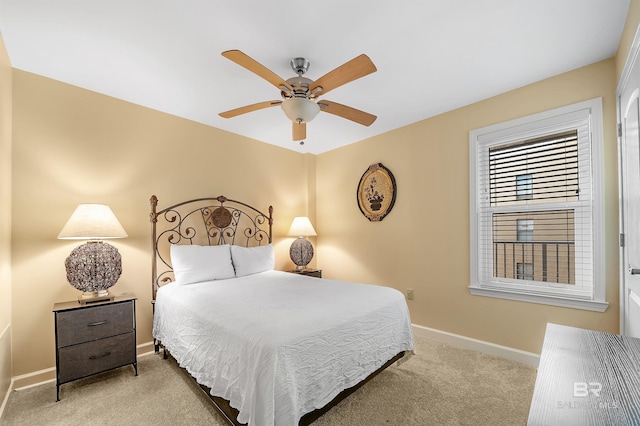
point(93, 338)
point(310, 272)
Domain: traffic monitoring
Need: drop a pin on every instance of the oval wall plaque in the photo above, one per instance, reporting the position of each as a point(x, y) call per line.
point(376, 192)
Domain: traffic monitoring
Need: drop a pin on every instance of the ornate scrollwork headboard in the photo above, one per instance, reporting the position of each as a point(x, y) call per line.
point(206, 222)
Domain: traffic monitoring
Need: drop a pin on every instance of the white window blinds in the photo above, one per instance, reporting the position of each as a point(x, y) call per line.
point(533, 206)
point(541, 170)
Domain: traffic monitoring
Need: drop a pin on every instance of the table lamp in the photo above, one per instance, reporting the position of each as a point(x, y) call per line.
point(301, 251)
point(95, 266)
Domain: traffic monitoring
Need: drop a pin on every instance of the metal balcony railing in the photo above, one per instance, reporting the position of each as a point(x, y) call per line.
point(547, 261)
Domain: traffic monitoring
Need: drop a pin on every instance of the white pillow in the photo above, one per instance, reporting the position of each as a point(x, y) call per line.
point(193, 264)
point(251, 260)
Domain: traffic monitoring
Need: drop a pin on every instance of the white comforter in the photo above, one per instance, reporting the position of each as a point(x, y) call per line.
point(279, 345)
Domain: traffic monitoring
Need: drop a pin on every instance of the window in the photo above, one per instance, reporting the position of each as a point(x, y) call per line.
point(524, 187)
point(536, 208)
point(525, 230)
point(525, 271)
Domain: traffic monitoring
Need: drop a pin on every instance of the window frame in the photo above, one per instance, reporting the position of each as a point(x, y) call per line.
point(527, 128)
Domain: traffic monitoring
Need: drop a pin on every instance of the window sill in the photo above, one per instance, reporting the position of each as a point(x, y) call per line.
point(589, 305)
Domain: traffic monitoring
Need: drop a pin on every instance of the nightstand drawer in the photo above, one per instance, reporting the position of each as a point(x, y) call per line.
point(83, 325)
point(89, 358)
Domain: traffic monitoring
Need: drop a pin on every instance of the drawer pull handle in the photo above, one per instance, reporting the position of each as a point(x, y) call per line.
point(100, 356)
point(93, 324)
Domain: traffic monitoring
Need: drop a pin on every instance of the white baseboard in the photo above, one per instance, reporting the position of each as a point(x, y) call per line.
point(4, 401)
point(145, 348)
point(488, 348)
point(6, 334)
point(15, 381)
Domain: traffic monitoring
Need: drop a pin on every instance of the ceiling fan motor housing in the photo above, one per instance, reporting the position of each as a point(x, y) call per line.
point(300, 65)
point(300, 86)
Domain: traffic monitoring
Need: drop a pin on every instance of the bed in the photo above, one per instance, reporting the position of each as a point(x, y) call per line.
point(268, 347)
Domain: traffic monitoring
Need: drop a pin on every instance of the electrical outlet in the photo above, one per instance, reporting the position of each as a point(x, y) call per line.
point(410, 293)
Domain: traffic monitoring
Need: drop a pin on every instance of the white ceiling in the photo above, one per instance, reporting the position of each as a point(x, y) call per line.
point(432, 55)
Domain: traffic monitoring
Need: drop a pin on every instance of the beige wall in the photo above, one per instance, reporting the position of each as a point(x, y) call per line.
point(72, 146)
point(423, 243)
point(5, 221)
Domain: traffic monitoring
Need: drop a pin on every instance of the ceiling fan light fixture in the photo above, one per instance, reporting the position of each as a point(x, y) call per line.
point(300, 109)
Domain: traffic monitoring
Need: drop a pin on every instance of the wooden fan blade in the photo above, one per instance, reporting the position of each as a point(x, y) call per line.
point(347, 112)
point(248, 108)
point(352, 70)
point(257, 68)
point(299, 131)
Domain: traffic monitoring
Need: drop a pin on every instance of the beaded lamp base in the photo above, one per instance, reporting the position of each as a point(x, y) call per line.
point(301, 252)
point(93, 267)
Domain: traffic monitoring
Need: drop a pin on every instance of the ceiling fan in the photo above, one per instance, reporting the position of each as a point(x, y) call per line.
point(300, 95)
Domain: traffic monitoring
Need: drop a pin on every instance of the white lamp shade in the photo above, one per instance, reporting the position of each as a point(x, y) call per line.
point(300, 109)
point(301, 227)
point(92, 222)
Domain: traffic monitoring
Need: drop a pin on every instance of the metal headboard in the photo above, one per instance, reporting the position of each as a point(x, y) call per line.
point(203, 221)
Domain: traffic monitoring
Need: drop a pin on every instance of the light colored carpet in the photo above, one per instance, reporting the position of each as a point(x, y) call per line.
point(440, 385)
